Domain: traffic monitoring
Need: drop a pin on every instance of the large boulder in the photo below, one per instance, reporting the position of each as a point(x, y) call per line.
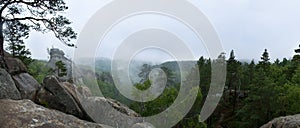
point(95, 108)
point(143, 125)
point(84, 91)
point(55, 96)
point(8, 89)
point(15, 66)
point(27, 85)
point(25, 114)
point(284, 122)
point(110, 112)
point(70, 99)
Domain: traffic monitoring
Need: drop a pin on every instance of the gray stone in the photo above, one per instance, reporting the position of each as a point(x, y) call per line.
point(73, 91)
point(8, 89)
point(15, 66)
point(84, 91)
point(65, 97)
point(27, 85)
point(25, 114)
point(143, 125)
point(284, 122)
point(58, 55)
point(109, 112)
point(54, 95)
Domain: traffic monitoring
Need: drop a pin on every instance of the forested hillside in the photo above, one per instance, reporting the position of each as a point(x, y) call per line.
point(254, 94)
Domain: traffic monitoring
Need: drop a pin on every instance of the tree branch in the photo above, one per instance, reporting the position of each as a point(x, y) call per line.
point(6, 5)
point(27, 18)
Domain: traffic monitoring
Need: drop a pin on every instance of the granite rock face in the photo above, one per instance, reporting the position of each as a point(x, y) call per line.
point(15, 66)
point(8, 89)
point(26, 114)
point(284, 122)
point(27, 85)
point(54, 95)
point(65, 98)
point(110, 112)
point(77, 101)
point(58, 55)
point(16, 83)
point(143, 125)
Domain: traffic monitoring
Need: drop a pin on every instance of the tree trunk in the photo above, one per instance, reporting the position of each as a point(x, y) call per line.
point(234, 100)
point(1, 39)
point(2, 61)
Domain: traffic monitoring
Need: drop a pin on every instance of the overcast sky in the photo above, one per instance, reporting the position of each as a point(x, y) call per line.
point(246, 26)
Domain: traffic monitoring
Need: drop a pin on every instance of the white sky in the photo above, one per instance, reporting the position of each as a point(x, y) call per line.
point(246, 26)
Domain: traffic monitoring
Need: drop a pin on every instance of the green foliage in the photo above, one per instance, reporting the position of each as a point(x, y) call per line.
point(16, 46)
point(171, 78)
point(144, 86)
point(272, 90)
point(255, 94)
point(38, 70)
point(19, 17)
point(108, 89)
point(289, 99)
point(61, 69)
point(40, 15)
point(44, 103)
point(265, 57)
point(296, 77)
point(146, 69)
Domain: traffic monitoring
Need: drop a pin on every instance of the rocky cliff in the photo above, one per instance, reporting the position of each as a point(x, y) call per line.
point(58, 55)
point(54, 104)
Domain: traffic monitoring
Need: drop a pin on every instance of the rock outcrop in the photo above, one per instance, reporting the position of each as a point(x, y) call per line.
point(27, 85)
point(84, 91)
point(284, 122)
point(54, 94)
point(16, 83)
point(143, 125)
point(8, 89)
point(72, 73)
point(15, 66)
point(58, 55)
point(115, 114)
point(77, 101)
point(25, 114)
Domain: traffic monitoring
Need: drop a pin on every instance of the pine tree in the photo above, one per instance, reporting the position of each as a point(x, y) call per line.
point(18, 50)
point(232, 78)
point(298, 50)
point(259, 107)
point(19, 17)
point(265, 57)
point(296, 58)
point(265, 61)
point(61, 69)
